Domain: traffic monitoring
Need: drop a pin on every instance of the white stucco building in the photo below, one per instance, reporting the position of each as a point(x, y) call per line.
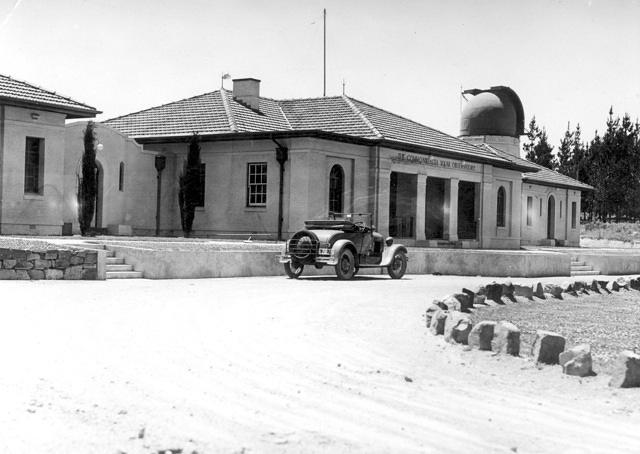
point(268, 165)
point(34, 185)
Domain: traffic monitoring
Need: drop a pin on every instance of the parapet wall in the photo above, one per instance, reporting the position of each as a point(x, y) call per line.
point(162, 264)
point(68, 264)
point(620, 261)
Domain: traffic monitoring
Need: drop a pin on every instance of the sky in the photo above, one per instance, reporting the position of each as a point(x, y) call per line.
point(569, 61)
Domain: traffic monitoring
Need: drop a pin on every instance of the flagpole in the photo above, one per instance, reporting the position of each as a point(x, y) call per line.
point(324, 73)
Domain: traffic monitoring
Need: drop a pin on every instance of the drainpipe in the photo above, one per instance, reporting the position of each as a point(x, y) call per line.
point(282, 156)
point(160, 163)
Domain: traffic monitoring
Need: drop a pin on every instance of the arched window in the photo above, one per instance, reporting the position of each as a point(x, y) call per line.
point(501, 206)
point(336, 189)
point(121, 178)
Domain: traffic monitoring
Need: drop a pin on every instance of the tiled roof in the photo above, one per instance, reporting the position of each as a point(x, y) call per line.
point(25, 93)
point(399, 129)
point(218, 113)
point(543, 175)
point(331, 114)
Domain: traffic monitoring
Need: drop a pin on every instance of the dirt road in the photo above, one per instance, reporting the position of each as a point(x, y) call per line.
point(273, 365)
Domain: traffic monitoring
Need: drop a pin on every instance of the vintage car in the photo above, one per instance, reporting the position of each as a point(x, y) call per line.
point(346, 241)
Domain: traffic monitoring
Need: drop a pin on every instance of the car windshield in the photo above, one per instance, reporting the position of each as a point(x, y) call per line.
point(341, 221)
point(356, 218)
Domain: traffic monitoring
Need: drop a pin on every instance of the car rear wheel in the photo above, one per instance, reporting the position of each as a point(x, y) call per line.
point(293, 269)
point(398, 265)
point(346, 267)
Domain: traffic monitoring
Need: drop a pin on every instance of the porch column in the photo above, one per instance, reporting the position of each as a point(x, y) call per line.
point(487, 210)
point(451, 210)
point(421, 207)
point(384, 188)
point(516, 210)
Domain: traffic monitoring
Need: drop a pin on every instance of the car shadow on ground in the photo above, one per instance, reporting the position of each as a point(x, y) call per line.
point(355, 278)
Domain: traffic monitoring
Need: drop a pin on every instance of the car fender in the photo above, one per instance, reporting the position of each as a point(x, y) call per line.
point(389, 252)
point(341, 245)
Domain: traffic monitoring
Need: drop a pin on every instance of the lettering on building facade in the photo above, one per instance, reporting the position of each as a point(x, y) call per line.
point(415, 159)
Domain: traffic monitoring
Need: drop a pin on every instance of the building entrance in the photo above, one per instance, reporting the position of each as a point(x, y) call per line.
point(434, 216)
point(551, 218)
point(402, 205)
point(467, 211)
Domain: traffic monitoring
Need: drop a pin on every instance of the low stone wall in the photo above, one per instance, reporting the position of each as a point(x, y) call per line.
point(162, 264)
point(69, 264)
point(450, 318)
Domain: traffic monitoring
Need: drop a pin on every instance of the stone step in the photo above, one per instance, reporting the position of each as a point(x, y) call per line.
point(581, 268)
point(119, 267)
point(115, 260)
point(585, 273)
point(577, 263)
point(124, 274)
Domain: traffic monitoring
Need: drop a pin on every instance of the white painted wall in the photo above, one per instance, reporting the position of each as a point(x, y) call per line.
point(536, 233)
point(31, 214)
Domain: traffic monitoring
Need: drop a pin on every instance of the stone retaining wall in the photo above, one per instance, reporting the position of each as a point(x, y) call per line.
point(70, 264)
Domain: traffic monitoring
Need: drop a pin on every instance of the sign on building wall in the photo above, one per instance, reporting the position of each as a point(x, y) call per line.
point(431, 161)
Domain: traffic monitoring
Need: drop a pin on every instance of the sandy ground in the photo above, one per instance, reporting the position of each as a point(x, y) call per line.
point(253, 365)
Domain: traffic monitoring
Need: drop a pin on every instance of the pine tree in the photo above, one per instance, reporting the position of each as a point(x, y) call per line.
point(537, 148)
point(87, 182)
point(578, 157)
point(565, 153)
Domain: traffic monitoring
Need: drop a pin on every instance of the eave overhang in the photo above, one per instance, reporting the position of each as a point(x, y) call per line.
point(71, 112)
point(556, 185)
point(319, 134)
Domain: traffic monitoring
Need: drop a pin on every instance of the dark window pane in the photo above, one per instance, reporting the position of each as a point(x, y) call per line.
point(336, 189)
point(501, 207)
point(33, 160)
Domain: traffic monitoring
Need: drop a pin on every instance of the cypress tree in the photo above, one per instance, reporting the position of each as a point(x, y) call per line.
point(189, 185)
point(88, 184)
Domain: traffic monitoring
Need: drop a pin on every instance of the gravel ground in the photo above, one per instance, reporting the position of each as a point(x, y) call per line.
point(607, 322)
point(166, 244)
point(199, 245)
point(27, 244)
point(274, 365)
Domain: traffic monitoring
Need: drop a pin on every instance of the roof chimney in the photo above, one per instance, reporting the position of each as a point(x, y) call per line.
point(247, 91)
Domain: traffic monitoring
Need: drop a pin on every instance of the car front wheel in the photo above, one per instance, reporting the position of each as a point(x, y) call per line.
point(293, 270)
point(346, 267)
point(398, 265)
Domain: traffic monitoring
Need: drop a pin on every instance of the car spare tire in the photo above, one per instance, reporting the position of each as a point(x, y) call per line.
point(303, 246)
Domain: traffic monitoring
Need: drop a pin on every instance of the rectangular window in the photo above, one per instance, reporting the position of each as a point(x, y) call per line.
point(541, 206)
point(121, 178)
point(561, 209)
point(34, 166)
point(201, 185)
point(573, 215)
point(529, 210)
point(257, 184)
